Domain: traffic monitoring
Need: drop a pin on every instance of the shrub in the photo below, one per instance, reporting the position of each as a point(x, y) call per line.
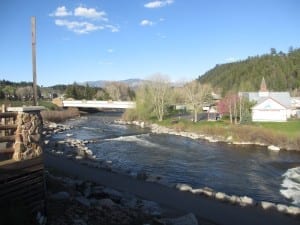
point(130, 115)
point(60, 115)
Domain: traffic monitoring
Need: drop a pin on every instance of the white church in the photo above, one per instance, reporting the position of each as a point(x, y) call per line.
point(270, 106)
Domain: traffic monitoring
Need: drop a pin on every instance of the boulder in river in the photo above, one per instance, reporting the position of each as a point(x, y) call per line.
point(189, 219)
point(273, 148)
point(184, 187)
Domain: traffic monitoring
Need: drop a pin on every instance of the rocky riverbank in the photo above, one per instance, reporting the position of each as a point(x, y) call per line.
point(77, 150)
point(74, 201)
point(155, 128)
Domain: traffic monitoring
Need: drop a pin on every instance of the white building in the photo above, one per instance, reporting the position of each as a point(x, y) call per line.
point(270, 106)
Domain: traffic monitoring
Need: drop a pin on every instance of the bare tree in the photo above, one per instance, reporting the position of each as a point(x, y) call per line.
point(159, 88)
point(235, 106)
point(101, 95)
point(113, 90)
point(24, 93)
point(118, 91)
point(197, 95)
point(178, 95)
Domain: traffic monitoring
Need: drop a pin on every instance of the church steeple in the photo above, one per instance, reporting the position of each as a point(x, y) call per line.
point(263, 92)
point(263, 86)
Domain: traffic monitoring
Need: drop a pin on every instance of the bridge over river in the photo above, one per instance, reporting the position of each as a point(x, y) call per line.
point(99, 104)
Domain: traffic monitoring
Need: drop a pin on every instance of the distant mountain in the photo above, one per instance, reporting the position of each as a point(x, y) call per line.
point(133, 83)
point(281, 72)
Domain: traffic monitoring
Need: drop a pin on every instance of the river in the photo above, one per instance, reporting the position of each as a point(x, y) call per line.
point(240, 170)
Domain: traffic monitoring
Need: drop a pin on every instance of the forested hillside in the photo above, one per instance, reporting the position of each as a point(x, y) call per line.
point(281, 72)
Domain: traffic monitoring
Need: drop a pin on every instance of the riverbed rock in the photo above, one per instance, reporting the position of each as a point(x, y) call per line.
point(268, 205)
point(246, 201)
point(78, 157)
point(84, 201)
point(184, 187)
point(189, 219)
point(233, 199)
point(62, 195)
point(52, 125)
point(150, 208)
point(197, 191)
point(222, 196)
point(79, 222)
point(106, 202)
point(208, 192)
point(273, 148)
point(113, 194)
point(293, 210)
point(282, 208)
point(229, 138)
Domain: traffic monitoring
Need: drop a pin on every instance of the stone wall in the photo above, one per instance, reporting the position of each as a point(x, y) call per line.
point(28, 143)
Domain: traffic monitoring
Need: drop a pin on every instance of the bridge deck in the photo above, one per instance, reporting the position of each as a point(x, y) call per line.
point(99, 104)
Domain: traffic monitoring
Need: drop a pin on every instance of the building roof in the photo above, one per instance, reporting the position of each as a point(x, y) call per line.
point(283, 98)
point(275, 105)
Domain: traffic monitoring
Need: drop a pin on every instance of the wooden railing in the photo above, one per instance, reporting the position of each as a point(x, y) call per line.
point(8, 127)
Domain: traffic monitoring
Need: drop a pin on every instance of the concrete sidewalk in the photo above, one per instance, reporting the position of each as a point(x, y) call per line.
point(205, 209)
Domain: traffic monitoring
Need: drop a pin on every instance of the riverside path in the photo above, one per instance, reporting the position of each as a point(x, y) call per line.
point(205, 209)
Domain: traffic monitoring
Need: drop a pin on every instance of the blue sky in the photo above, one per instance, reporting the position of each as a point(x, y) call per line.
point(89, 40)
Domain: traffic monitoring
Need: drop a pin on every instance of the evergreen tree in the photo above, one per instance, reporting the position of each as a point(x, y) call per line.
point(281, 71)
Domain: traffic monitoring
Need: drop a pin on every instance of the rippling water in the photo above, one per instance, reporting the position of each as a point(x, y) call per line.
point(251, 171)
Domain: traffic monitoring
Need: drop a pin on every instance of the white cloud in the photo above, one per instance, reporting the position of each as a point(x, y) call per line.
point(113, 28)
point(61, 12)
point(158, 4)
point(146, 23)
point(90, 13)
point(78, 27)
point(110, 50)
point(83, 20)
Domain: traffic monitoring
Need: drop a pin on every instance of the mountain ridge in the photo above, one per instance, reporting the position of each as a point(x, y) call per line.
point(281, 72)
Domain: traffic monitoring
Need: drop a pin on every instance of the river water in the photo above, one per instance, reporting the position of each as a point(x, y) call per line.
point(239, 170)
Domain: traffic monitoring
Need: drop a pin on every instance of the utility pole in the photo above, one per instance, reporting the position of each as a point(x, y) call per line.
point(33, 39)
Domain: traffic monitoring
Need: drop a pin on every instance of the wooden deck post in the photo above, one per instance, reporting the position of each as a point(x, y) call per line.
point(3, 119)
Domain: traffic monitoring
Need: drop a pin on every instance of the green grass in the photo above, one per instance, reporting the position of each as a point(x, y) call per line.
point(285, 134)
point(289, 128)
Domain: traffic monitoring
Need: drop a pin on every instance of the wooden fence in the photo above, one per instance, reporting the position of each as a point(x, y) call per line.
point(22, 183)
point(7, 138)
